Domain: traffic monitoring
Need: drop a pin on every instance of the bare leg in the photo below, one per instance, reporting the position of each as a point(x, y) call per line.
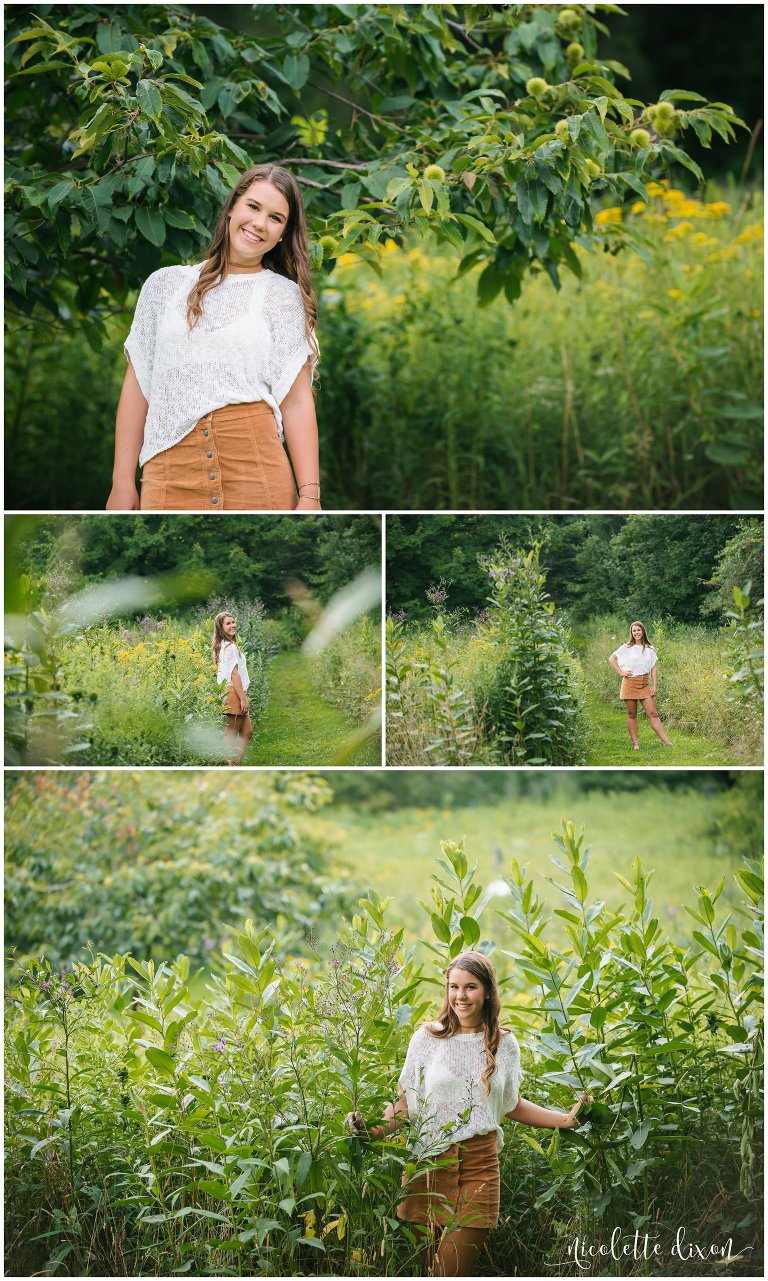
point(239, 732)
point(631, 706)
point(458, 1251)
point(649, 705)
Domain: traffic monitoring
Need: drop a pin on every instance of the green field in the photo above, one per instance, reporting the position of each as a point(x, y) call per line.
point(671, 831)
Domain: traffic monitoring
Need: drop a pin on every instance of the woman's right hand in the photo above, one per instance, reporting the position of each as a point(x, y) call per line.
point(124, 498)
point(624, 671)
point(357, 1125)
point(243, 705)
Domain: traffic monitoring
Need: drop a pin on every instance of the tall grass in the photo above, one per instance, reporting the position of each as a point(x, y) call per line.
point(347, 672)
point(158, 1123)
point(637, 386)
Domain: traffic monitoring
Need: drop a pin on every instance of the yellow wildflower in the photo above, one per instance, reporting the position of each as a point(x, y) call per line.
point(657, 188)
point(675, 293)
point(719, 208)
point(639, 207)
point(753, 232)
point(681, 229)
point(607, 217)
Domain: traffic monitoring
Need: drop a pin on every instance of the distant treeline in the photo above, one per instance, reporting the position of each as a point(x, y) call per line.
point(248, 555)
point(650, 567)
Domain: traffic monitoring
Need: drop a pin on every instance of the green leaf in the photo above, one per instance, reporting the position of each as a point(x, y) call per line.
point(440, 928)
point(469, 220)
point(160, 1059)
point(151, 224)
point(471, 931)
point(149, 98)
point(296, 70)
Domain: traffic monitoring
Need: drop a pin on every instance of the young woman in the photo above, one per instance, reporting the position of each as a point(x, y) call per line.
point(636, 662)
point(220, 367)
point(461, 1078)
point(232, 668)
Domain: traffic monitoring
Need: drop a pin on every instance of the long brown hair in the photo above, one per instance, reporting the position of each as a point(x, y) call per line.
point(219, 637)
point(290, 256)
point(632, 641)
point(482, 969)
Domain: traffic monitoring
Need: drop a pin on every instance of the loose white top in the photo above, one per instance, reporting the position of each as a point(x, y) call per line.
point(637, 659)
point(230, 657)
point(447, 1098)
point(249, 344)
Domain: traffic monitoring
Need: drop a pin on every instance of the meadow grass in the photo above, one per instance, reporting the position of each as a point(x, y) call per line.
point(638, 385)
point(393, 853)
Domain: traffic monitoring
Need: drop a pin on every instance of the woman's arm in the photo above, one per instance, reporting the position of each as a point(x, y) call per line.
point(546, 1118)
point(613, 660)
point(300, 427)
point(395, 1115)
point(237, 685)
point(654, 679)
point(129, 437)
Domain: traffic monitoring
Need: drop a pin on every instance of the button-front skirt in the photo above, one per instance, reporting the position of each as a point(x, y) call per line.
point(635, 687)
point(232, 460)
point(463, 1189)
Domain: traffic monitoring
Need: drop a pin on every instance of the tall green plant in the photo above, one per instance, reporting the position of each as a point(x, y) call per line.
point(533, 704)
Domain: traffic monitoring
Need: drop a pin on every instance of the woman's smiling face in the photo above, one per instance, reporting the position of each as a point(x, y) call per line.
point(257, 221)
point(637, 631)
point(466, 996)
point(229, 626)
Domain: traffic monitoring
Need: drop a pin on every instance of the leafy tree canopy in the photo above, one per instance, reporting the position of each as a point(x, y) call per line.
point(496, 127)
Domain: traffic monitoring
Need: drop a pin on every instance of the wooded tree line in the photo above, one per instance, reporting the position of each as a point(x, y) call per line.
point(247, 556)
point(676, 566)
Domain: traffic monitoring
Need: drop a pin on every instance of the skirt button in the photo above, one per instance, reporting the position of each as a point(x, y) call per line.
point(205, 431)
point(209, 454)
point(212, 475)
point(214, 499)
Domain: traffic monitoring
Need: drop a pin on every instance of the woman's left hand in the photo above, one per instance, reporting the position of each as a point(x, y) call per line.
point(571, 1121)
point(308, 505)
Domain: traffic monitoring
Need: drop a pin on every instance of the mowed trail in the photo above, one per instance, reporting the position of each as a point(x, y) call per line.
point(299, 727)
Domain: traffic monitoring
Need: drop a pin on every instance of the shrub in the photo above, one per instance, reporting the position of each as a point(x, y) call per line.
point(532, 700)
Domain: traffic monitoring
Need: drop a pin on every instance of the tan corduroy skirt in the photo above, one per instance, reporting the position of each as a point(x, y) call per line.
point(463, 1189)
point(232, 460)
point(635, 687)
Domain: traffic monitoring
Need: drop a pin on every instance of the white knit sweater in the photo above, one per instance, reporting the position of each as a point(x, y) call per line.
point(447, 1099)
point(249, 344)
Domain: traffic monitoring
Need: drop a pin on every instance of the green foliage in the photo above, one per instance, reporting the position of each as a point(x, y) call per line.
point(126, 120)
point(646, 565)
point(739, 562)
point(347, 672)
point(431, 717)
point(151, 1126)
point(745, 656)
point(246, 559)
point(154, 870)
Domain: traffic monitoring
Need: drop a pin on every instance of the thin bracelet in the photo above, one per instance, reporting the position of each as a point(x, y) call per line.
point(308, 498)
point(310, 484)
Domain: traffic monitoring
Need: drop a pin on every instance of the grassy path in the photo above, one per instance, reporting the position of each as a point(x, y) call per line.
point(609, 741)
point(299, 727)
